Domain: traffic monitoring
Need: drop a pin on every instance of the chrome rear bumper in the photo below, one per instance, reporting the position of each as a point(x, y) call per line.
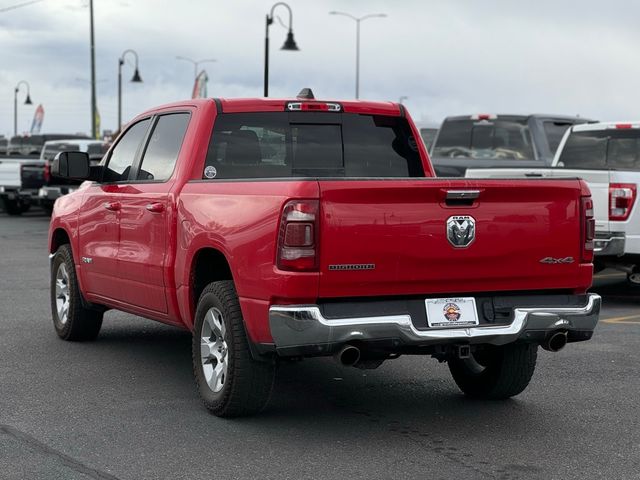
point(295, 326)
point(610, 244)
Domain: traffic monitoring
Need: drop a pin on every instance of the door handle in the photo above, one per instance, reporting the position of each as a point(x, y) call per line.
point(155, 207)
point(112, 206)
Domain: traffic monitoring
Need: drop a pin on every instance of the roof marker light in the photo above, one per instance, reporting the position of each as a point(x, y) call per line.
point(484, 116)
point(313, 106)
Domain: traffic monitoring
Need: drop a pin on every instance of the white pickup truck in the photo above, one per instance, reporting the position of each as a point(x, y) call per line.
point(20, 179)
point(607, 157)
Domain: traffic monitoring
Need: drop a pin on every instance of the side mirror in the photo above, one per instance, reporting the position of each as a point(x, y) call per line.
point(71, 165)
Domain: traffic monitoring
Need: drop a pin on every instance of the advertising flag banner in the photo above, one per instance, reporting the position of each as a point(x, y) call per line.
point(200, 85)
point(38, 118)
point(98, 137)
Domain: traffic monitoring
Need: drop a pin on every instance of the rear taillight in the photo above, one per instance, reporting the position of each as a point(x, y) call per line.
point(622, 196)
point(47, 173)
point(298, 236)
point(588, 229)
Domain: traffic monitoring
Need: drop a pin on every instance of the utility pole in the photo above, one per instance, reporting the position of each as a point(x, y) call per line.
point(94, 133)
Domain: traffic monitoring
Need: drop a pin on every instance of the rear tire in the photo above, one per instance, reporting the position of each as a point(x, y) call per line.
point(48, 208)
point(634, 277)
point(13, 207)
point(230, 382)
point(71, 320)
point(495, 372)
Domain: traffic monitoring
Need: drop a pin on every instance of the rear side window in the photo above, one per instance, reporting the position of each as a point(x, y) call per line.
point(479, 139)
point(617, 149)
point(96, 148)
point(124, 153)
point(554, 131)
point(50, 151)
point(163, 148)
point(280, 145)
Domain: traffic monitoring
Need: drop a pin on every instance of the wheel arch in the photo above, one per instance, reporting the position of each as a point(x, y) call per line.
point(208, 264)
point(59, 237)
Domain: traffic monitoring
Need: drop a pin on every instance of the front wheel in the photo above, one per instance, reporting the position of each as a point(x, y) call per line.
point(71, 319)
point(230, 382)
point(493, 372)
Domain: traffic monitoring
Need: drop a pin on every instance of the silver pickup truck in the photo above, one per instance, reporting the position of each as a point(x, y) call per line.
point(607, 157)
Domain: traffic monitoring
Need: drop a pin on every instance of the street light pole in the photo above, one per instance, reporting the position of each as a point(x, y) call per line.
point(94, 133)
point(289, 44)
point(358, 20)
point(15, 103)
point(135, 79)
point(196, 63)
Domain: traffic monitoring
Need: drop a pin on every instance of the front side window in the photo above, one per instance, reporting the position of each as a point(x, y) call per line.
point(280, 145)
point(124, 153)
point(163, 148)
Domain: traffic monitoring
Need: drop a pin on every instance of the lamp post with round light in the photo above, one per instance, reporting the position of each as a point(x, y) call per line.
point(358, 20)
point(135, 79)
point(15, 103)
point(289, 44)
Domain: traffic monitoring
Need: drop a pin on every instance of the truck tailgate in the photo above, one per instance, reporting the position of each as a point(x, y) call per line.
point(9, 174)
point(598, 181)
point(389, 237)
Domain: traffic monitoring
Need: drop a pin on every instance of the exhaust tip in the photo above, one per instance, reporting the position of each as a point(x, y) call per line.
point(348, 355)
point(555, 342)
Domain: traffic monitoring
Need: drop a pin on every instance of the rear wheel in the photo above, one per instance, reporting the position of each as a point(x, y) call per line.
point(634, 277)
point(14, 207)
point(495, 372)
point(230, 382)
point(48, 208)
point(71, 319)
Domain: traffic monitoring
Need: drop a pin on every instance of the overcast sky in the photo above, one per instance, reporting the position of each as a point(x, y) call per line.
point(448, 56)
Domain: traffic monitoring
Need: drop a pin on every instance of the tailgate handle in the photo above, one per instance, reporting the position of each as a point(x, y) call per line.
point(462, 194)
point(533, 174)
point(461, 198)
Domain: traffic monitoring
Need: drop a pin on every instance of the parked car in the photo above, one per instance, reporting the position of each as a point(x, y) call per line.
point(54, 187)
point(277, 229)
point(32, 144)
point(486, 141)
point(607, 157)
point(4, 142)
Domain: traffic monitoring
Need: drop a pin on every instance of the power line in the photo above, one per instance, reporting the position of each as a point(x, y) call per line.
point(20, 5)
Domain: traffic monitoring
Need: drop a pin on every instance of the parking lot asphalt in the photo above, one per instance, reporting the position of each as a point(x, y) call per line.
point(125, 406)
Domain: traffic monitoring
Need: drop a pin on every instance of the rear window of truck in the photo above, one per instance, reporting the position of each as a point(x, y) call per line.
point(478, 139)
point(300, 144)
point(602, 149)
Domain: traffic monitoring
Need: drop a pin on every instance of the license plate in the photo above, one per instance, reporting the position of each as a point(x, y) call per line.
point(451, 312)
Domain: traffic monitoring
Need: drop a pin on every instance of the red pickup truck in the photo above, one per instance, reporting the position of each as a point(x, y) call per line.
point(276, 229)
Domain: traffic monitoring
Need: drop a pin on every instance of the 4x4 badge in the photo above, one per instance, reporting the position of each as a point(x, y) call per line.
point(461, 230)
point(552, 260)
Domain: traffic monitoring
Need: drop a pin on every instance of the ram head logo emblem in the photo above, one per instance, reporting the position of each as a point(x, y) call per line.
point(461, 230)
